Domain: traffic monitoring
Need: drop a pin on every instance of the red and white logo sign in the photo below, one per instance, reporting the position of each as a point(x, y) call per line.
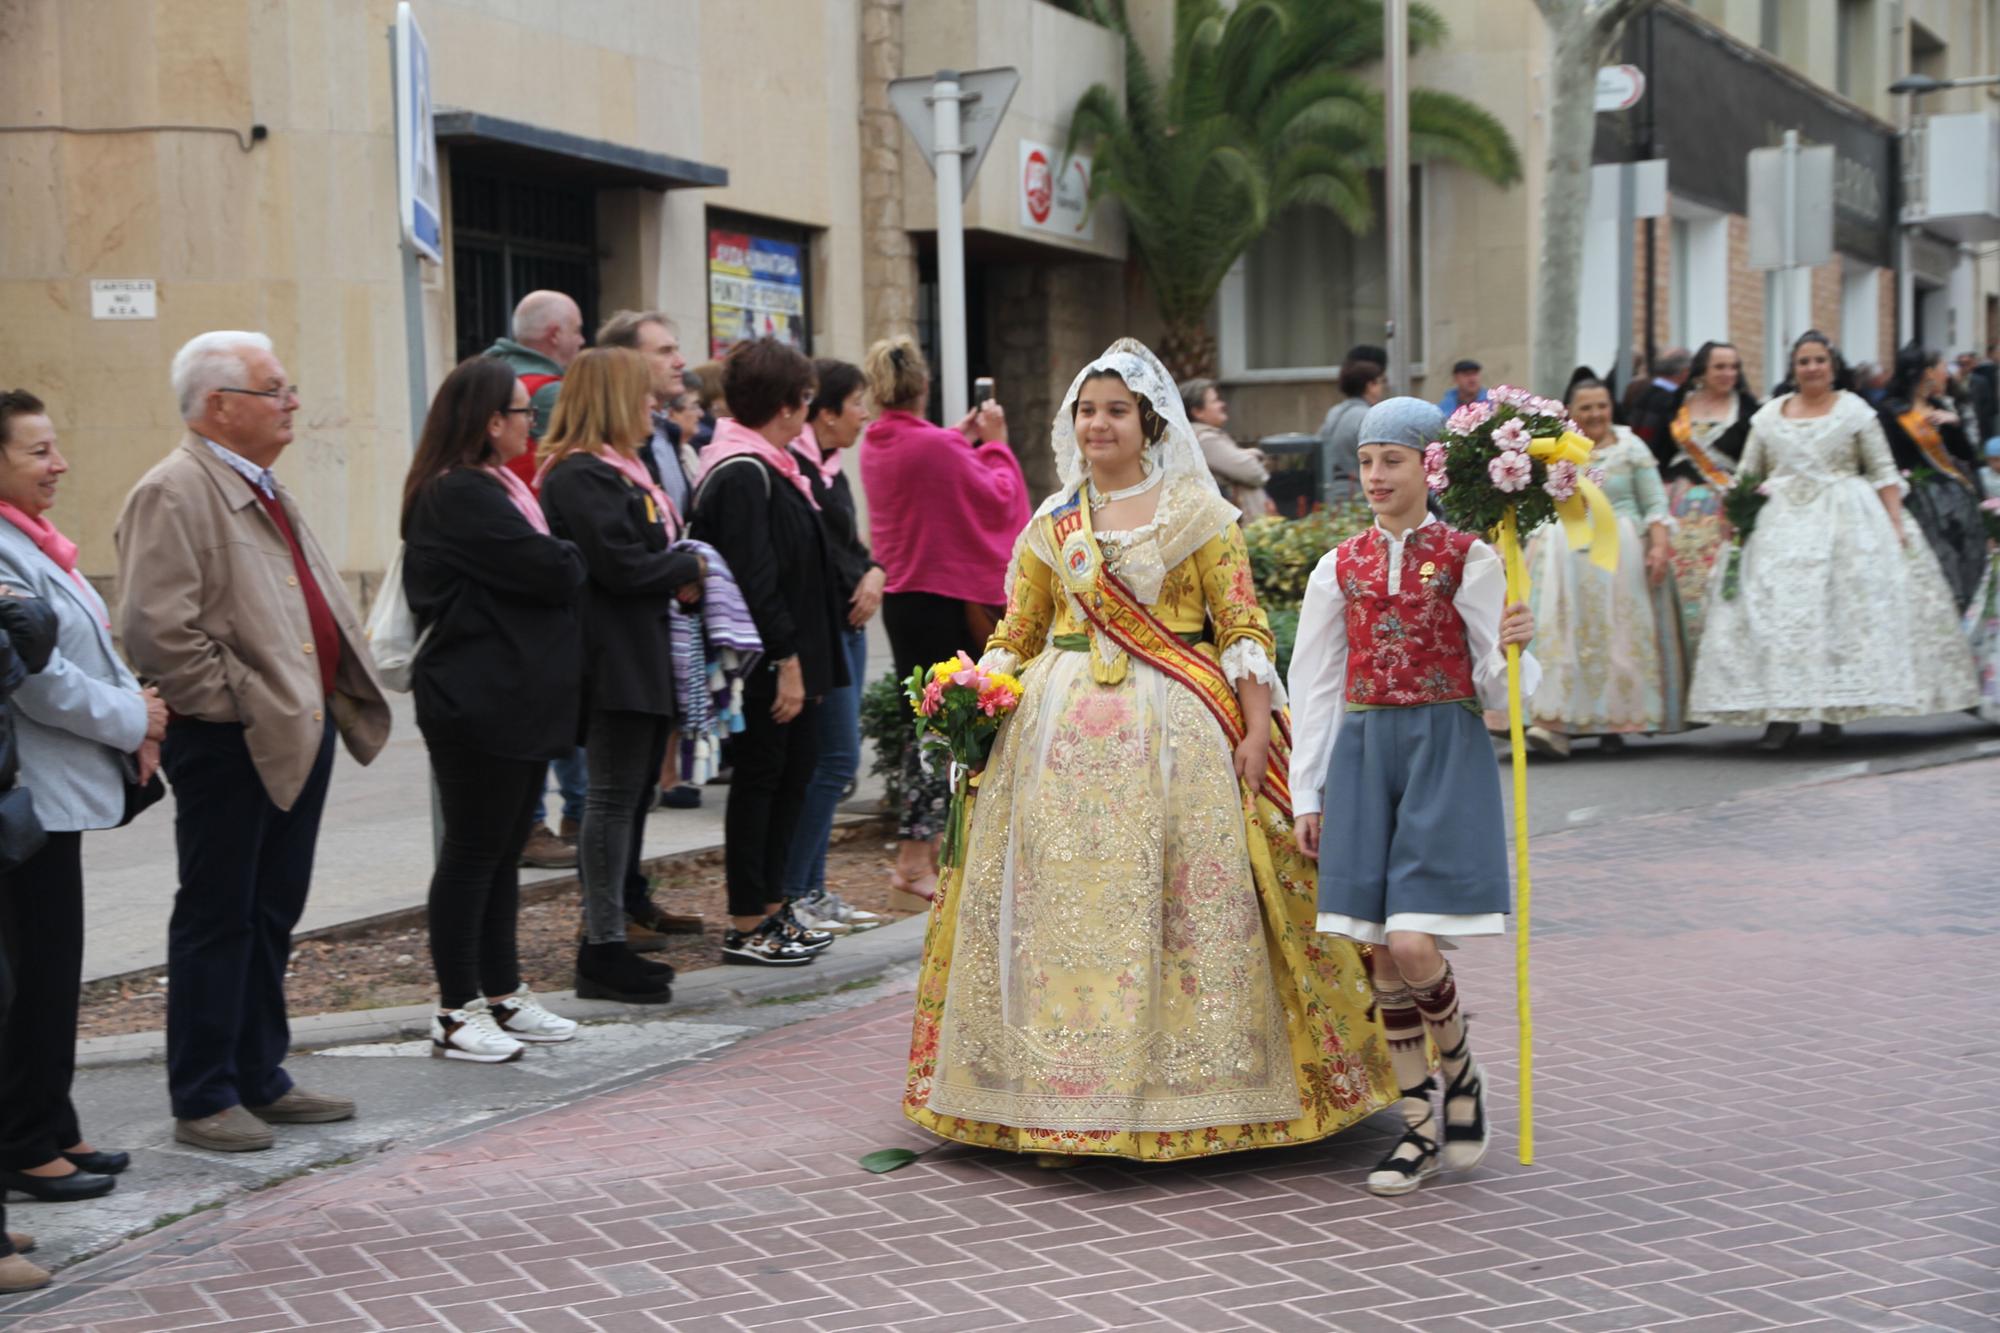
point(1038, 186)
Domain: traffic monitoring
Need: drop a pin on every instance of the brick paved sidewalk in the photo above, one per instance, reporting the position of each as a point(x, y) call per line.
point(1767, 1080)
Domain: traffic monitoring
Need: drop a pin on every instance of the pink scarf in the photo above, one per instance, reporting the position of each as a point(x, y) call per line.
point(828, 462)
point(57, 548)
point(733, 438)
point(523, 498)
point(635, 472)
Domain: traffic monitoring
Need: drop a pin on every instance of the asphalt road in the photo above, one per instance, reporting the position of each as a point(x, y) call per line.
point(1715, 764)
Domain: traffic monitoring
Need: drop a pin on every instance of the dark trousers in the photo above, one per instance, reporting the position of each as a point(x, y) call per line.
point(6, 1007)
point(488, 804)
point(626, 751)
point(245, 867)
point(774, 765)
point(41, 934)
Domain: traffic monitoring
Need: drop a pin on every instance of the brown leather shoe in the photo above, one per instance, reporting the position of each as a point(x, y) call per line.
point(233, 1130)
point(21, 1241)
point(655, 920)
point(570, 830)
point(17, 1274)
point(300, 1107)
point(545, 851)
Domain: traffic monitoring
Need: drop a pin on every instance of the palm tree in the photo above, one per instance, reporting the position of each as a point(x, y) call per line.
point(1264, 108)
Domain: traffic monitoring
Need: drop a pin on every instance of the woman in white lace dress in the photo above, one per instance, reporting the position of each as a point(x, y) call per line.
point(1842, 612)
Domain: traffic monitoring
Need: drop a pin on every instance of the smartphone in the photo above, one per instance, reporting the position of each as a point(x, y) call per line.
point(982, 390)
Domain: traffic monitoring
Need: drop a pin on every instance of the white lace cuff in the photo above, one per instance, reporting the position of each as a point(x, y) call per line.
point(1246, 657)
point(1000, 659)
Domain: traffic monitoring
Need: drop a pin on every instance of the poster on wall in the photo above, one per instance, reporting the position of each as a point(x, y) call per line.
point(1055, 192)
point(756, 289)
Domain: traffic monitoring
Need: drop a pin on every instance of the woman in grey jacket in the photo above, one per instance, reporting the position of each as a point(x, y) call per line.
point(84, 729)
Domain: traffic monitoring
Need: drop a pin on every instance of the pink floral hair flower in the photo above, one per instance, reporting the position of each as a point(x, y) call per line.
point(1511, 434)
point(1511, 471)
point(1561, 484)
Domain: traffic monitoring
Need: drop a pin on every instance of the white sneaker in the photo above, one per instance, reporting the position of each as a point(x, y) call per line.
point(471, 1034)
point(855, 918)
point(812, 913)
point(521, 1016)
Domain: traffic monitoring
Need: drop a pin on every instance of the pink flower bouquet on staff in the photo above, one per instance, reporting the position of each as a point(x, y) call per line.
point(1504, 467)
point(959, 710)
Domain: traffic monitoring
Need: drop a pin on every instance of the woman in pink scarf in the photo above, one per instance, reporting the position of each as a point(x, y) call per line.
point(944, 507)
point(83, 730)
point(498, 682)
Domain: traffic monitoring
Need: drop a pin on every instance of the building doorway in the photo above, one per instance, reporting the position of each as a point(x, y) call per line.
point(512, 236)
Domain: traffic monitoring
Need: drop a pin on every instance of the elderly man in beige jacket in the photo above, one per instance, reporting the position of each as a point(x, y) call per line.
point(232, 609)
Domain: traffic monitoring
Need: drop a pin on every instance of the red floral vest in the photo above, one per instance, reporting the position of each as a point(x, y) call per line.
point(1407, 648)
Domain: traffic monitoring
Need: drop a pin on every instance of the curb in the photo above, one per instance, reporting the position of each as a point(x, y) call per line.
point(846, 826)
point(853, 961)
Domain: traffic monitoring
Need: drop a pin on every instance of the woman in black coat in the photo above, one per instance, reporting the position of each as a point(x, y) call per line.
point(756, 508)
point(1931, 448)
point(497, 679)
point(27, 637)
point(599, 495)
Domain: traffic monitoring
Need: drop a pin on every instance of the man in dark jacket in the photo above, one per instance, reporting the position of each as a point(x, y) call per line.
point(27, 637)
point(1654, 414)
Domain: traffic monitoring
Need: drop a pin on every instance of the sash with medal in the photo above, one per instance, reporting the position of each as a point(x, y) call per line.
point(1119, 617)
point(1925, 436)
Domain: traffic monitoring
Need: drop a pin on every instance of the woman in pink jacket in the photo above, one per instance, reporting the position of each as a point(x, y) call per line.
point(944, 507)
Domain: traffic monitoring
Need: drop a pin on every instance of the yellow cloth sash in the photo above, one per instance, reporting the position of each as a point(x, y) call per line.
point(1587, 518)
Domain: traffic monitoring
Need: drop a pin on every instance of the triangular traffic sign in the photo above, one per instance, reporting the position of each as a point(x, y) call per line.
point(987, 93)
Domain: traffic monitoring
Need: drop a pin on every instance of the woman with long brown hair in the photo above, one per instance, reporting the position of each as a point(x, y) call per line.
point(598, 494)
point(497, 680)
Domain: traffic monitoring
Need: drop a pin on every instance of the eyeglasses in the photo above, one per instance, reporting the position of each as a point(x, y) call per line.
point(289, 391)
point(527, 411)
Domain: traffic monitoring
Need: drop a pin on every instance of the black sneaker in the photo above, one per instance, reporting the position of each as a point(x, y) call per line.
point(798, 932)
point(686, 796)
point(766, 946)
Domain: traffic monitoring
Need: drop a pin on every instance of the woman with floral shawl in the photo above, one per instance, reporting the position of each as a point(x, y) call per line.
point(1125, 965)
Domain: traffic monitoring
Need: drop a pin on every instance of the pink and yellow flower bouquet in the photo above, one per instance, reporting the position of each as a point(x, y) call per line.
point(959, 710)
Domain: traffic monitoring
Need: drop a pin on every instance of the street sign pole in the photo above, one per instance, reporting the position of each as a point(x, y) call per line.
point(1396, 189)
point(1791, 239)
point(950, 164)
point(952, 117)
point(1628, 219)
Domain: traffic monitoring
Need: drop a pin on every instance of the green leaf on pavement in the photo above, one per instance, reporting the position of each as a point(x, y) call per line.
point(885, 1160)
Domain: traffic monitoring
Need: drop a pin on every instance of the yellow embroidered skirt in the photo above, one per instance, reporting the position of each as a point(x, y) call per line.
point(1126, 966)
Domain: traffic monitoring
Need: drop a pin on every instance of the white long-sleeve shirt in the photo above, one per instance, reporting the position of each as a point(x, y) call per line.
point(1317, 681)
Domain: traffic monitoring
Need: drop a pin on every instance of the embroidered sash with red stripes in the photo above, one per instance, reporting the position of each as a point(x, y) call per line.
point(1112, 610)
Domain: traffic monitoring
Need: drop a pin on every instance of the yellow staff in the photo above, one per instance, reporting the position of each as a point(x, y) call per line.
point(1587, 521)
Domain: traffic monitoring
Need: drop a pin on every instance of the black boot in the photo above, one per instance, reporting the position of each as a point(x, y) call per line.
point(611, 972)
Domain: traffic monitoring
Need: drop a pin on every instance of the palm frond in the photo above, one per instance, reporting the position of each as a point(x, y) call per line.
point(1263, 105)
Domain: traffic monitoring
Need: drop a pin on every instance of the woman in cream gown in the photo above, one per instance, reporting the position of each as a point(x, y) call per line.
point(1126, 965)
point(1612, 646)
point(1842, 612)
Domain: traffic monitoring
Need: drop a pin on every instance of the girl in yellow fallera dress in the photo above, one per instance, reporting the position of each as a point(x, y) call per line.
point(1126, 964)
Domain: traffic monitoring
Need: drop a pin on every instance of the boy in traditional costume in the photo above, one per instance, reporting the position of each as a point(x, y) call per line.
point(1401, 641)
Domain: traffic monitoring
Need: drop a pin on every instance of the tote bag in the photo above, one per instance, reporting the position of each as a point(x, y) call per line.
point(393, 639)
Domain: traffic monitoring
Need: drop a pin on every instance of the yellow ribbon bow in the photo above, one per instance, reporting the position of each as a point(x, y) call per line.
point(1587, 517)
